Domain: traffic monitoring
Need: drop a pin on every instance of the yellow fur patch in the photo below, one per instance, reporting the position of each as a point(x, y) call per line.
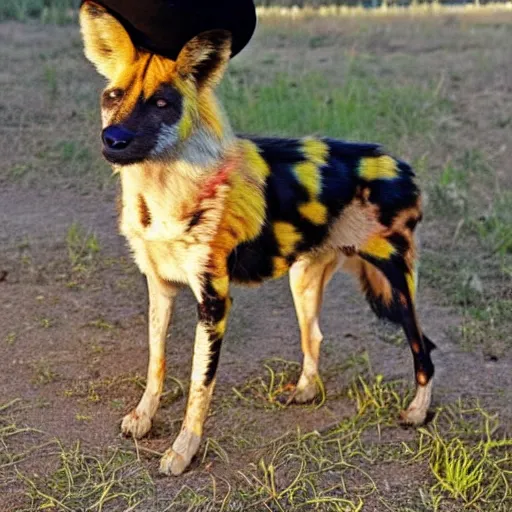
point(221, 286)
point(159, 70)
point(209, 111)
point(189, 107)
point(255, 161)
point(244, 206)
point(314, 211)
point(280, 266)
point(102, 34)
point(378, 247)
point(186, 123)
point(315, 150)
point(307, 174)
point(287, 237)
point(220, 328)
point(411, 284)
point(378, 168)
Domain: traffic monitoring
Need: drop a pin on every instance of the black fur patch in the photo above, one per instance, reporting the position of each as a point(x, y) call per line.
point(252, 261)
point(212, 308)
point(215, 39)
point(195, 219)
point(145, 121)
point(215, 346)
point(144, 213)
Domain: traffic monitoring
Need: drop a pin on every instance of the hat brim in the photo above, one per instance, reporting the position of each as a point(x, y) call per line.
point(165, 26)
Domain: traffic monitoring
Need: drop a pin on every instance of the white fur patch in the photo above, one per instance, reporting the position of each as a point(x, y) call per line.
point(201, 149)
point(417, 411)
point(201, 354)
point(167, 138)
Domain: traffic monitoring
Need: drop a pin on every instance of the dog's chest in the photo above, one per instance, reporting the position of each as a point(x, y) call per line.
point(158, 221)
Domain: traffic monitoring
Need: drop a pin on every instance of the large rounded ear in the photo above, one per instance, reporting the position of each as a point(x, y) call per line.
point(205, 57)
point(107, 44)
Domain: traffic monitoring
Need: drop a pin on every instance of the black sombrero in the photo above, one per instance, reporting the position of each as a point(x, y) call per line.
point(164, 26)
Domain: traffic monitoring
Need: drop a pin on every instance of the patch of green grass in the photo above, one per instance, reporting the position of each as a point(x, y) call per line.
point(72, 151)
point(47, 11)
point(100, 323)
point(469, 458)
point(82, 481)
point(50, 77)
point(20, 10)
point(43, 372)
point(378, 399)
point(360, 108)
point(45, 323)
point(470, 283)
point(270, 390)
point(10, 339)
point(82, 245)
point(495, 226)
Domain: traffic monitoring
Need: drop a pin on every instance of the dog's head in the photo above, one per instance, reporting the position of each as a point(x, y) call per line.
point(152, 103)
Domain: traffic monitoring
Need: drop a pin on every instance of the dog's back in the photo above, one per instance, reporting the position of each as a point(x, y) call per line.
point(322, 193)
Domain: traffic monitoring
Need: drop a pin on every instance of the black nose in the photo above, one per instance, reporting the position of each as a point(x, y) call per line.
point(115, 137)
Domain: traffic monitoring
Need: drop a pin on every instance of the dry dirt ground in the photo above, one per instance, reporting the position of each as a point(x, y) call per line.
point(73, 306)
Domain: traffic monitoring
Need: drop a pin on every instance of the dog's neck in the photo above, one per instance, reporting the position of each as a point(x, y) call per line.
point(209, 142)
point(192, 170)
point(211, 135)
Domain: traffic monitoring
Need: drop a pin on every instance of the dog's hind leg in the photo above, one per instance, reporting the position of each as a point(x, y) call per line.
point(308, 279)
point(388, 281)
point(161, 301)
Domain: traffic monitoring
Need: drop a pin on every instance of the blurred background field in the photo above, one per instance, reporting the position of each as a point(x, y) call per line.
point(434, 85)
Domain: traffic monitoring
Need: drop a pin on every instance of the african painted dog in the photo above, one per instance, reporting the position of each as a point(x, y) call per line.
point(203, 207)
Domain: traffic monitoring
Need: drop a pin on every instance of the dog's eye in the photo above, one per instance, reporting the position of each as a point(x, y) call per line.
point(115, 94)
point(161, 103)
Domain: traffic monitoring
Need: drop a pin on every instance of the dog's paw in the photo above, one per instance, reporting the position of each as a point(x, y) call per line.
point(177, 458)
point(173, 463)
point(413, 416)
point(306, 393)
point(136, 424)
point(416, 413)
point(306, 390)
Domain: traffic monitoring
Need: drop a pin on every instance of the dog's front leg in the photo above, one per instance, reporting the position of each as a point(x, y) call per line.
point(213, 309)
point(161, 302)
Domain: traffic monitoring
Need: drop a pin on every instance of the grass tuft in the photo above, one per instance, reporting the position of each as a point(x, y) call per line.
point(87, 482)
point(82, 247)
point(469, 458)
point(271, 389)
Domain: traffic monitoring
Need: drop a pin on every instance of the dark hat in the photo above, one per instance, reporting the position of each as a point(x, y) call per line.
point(165, 26)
